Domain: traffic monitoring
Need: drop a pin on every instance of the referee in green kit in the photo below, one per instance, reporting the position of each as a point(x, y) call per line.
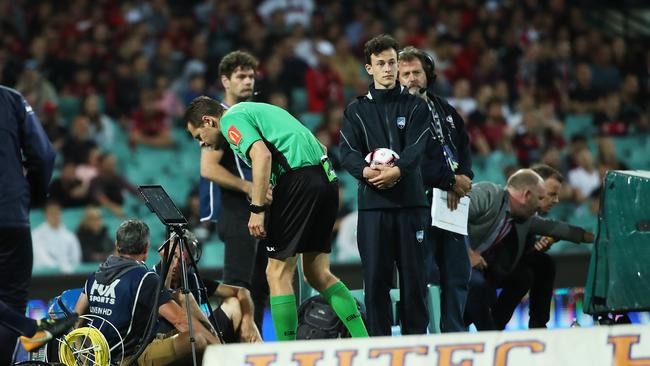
point(285, 154)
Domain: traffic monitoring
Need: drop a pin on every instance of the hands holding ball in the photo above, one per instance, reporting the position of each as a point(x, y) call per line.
point(382, 172)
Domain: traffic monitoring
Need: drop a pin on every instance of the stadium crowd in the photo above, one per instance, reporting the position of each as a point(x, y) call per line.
point(535, 81)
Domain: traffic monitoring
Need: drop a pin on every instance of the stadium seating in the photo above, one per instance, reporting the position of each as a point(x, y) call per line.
point(578, 124)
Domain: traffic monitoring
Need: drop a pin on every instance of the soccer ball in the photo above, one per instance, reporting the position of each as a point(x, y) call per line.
point(382, 156)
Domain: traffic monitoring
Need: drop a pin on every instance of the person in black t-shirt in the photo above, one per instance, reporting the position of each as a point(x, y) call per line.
point(234, 317)
point(244, 257)
point(69, 190)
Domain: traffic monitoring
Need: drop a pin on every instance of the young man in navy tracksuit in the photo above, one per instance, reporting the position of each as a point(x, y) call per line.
point(393, 208)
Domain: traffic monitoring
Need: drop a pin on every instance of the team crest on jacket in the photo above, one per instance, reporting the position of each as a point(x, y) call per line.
point(450, 119)
point(401, 122)
point(419, 235)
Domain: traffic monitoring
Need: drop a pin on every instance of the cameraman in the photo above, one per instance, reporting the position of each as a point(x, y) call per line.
point(122, 290)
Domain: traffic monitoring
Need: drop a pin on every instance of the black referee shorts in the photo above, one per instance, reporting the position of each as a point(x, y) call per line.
point(302, 214)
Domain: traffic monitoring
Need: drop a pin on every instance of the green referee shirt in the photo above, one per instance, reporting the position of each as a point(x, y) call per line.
point(291, 144)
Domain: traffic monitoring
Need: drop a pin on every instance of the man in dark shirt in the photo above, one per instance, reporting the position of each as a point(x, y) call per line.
point(244, 261)
point(69, 190)
point(447, 166)
point(107, 188)
point(234, 317)
point(27, 160)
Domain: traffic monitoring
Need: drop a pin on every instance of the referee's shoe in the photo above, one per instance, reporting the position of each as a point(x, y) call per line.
point(48, 329)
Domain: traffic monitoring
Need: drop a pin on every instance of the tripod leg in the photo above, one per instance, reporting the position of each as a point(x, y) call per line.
point(186, 290)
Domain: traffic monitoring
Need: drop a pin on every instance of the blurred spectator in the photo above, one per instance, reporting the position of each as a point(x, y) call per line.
point(107, 188)
point(67, 189)
point(123, 91)
point(537, 131)
point(606, 75)
point(294, 11)
point(36, 89)
point(631, 104)
point(168, 61)
point(168, 101)
point(79, 143)
point(96, 244)
point(53, 125)
point(81, 85)
point(88, 170)
point(462, 99)
point(608, 119)
point(583, 94)
point(195, 88)
point(150, 124)
point(142, 71)
point(102, 127)
point(348, 67)
point(607, 158)
point(269, 80)
point(585, 178)
point(564, 66)
point(54, 245)
point(488, 131)
point(322, 82)
point(202, 230)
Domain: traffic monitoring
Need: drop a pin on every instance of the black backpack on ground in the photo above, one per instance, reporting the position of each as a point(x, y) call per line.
point(317, 320)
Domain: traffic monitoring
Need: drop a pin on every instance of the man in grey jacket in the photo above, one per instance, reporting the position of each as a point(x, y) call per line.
point(499, 222)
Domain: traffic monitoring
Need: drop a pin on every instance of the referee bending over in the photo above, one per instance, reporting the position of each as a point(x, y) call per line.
point(300, 218)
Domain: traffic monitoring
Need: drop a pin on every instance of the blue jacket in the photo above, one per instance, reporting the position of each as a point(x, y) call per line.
point(392, 119)
point(23, 145)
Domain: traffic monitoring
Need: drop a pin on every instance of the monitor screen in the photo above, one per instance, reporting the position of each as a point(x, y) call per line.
point(159, 202)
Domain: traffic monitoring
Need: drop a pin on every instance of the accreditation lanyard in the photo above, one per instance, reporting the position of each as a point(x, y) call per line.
point(447, 151)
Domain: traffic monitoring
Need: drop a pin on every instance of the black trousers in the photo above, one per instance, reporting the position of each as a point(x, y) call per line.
point(387, 238)
point(16, 260)
point(535, 272)
point(449, 267)
point(244, 259)
point(480, 301)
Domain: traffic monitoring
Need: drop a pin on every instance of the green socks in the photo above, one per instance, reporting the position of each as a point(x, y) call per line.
point(285, 316)
point(343, 303)
point(285, 313)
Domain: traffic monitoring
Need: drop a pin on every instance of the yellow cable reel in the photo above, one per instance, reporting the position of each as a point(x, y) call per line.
point(85, 346)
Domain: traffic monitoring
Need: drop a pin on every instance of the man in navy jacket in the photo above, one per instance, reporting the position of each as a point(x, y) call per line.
point(446, 165)
point(26, 163)
point(392, 203)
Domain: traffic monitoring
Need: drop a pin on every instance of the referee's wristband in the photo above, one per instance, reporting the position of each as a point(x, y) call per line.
point(256, 209)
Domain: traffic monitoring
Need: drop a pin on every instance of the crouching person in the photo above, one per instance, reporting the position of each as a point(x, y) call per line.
point(234, 318)
point(123, 290)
